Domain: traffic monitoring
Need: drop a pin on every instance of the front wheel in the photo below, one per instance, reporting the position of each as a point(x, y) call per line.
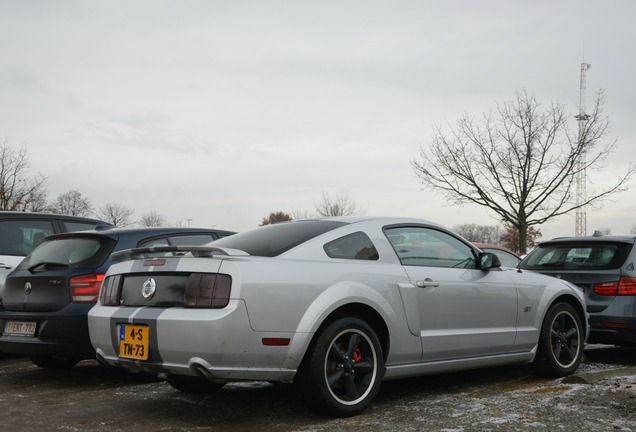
point(342, 372)
point(561, 342)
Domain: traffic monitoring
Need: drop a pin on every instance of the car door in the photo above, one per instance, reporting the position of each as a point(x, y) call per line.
point(463, 311)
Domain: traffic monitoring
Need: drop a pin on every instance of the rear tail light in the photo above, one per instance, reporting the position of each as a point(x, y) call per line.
point(208, 290)
point(85, 288)
point(111, 289)
point(625, 286)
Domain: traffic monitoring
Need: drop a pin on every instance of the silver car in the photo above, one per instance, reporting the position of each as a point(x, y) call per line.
point(334, 305)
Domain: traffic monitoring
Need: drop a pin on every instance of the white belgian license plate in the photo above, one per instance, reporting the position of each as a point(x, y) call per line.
point(20, 328)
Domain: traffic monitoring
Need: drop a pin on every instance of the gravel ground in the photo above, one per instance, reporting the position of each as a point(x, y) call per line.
point(91, 398)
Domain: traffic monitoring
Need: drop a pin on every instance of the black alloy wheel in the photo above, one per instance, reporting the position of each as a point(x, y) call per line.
point(561, 341)
point(344, 370)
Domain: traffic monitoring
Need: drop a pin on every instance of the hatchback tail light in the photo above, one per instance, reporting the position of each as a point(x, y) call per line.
point(208, 290)
point(625, 286)
point(85, 288)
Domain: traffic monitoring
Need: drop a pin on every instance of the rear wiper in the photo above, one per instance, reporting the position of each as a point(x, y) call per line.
point(48, 266)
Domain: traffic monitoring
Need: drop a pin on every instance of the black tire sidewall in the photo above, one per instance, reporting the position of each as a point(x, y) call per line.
point(311, 381)
point(192, 385)
point(545, 361)
point(53, 363)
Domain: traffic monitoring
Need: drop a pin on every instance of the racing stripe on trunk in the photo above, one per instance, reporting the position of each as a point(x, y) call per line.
point(138, 316)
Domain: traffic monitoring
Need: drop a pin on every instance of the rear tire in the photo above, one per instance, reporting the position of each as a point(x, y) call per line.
point(194, 385)
point(342, 372)
point(561, 342)
point(53, 362)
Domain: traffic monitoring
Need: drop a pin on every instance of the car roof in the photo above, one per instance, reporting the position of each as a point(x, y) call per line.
point(590, 239)
point(43, 215)
point(385, 220)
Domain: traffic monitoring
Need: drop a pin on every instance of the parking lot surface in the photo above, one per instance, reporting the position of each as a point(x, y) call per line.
point(92, 398)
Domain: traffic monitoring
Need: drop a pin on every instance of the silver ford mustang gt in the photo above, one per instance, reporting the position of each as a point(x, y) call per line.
point(333, 305)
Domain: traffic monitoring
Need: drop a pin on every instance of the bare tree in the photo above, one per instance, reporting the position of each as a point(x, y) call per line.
point(522, 163)
point(116, 214)
point(340, 205)
point(276, 217)
point(71, 203)
point(479, 233)
point(37, 202)
point(299, 215)
point(18, 191)
point(152, 219)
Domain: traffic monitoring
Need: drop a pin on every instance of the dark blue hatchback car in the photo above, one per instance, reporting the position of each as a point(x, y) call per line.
point(44, 307)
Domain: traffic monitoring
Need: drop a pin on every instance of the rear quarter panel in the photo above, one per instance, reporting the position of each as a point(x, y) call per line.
point(298, 296)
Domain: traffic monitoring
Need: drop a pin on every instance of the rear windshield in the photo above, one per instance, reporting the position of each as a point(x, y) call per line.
point(273, 240)
point(581, 256)
point(72, 252)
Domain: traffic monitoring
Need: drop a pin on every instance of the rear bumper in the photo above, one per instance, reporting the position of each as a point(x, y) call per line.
point(612, 330)
point(63, 333)
point(214, 344)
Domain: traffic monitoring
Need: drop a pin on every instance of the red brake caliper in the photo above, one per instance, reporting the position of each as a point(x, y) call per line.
point(357, 355)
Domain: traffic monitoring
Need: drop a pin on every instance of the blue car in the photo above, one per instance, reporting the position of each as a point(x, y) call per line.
point(44, 307)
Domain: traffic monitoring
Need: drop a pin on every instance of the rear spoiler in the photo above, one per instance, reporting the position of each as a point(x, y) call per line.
point(197, 251)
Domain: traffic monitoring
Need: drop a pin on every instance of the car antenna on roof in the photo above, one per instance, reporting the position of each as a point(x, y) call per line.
point(597, 233)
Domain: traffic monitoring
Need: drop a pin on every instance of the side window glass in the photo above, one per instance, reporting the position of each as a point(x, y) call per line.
point(19, 237)
point(191, 240)
point(155, 242)
point(353, 246)
point(180, 240)
point(420, 246)
point(72, 226)
point(160, 241)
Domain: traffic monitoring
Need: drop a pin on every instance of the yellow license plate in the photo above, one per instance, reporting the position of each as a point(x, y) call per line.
point(133, 341)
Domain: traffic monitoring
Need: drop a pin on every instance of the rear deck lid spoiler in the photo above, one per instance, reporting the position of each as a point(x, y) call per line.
point(197, 251)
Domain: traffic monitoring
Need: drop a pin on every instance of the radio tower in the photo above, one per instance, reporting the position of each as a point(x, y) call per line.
point(582, 118)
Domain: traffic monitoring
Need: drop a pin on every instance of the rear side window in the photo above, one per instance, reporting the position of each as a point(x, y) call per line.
point(19, 237)
point(177, 240)
point(583, 256)
point(190, 240)
point(353, 246)
point(72, 226)
point(72, 252)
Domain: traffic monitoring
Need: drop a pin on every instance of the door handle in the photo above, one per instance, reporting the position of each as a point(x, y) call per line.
point(426, 283)
point(5, 266)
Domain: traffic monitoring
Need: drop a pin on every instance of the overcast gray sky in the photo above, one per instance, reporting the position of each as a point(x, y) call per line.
point(224, 111)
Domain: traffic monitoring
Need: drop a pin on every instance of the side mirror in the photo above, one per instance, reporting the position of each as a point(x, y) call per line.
point(488, 260)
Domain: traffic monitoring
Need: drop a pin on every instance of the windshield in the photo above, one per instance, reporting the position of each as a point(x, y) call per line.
point(73, 252)
point(273, 240)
